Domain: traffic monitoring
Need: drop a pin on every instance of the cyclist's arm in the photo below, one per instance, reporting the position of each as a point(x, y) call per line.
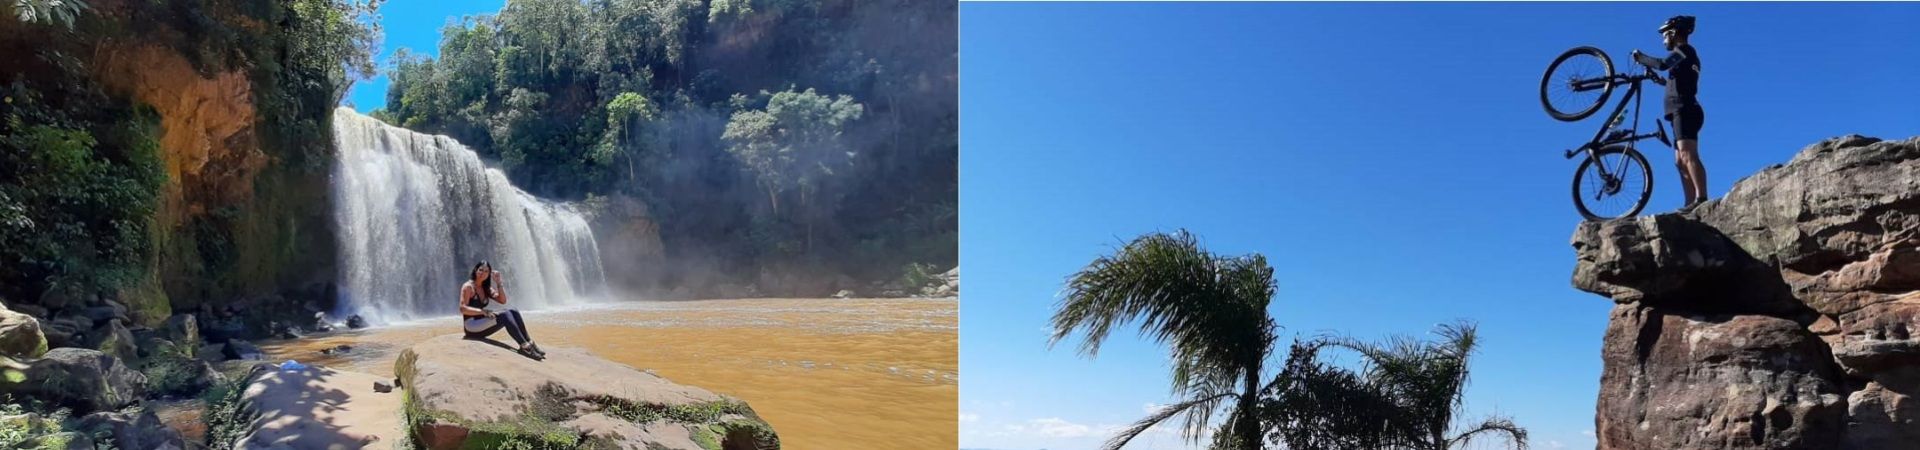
point(1671, 60)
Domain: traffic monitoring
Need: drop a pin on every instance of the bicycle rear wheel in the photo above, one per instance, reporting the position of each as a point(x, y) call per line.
point(1575, 85)
point(1616, 182)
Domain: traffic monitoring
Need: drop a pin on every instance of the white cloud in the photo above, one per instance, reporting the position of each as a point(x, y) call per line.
point(1555, 444)
point(1059, 428)
point(966, 417)
point(1587, 433)
point(1151, 408)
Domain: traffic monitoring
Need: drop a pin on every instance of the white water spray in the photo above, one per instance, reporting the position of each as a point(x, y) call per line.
point(414, 212)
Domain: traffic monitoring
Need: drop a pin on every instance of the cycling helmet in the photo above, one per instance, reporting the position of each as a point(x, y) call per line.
point(1680, 24)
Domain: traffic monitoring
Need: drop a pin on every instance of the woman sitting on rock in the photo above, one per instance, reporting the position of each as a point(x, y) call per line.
point(479, 322)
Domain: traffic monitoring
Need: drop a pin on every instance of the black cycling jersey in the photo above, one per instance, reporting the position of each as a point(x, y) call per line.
point(1683, 71)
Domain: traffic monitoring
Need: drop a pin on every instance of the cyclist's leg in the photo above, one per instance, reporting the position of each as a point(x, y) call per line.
point(1689, 146)
point(1681, 162)
point(1686, 156)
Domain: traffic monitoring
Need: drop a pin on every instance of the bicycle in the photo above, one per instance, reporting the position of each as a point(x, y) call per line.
point(1571, 78)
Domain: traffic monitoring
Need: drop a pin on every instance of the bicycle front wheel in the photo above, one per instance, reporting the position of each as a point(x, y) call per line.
point(1616, 182)
point(1576, 84)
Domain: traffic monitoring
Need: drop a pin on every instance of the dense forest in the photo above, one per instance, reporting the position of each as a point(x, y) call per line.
point(799, 147)
point(159, 156)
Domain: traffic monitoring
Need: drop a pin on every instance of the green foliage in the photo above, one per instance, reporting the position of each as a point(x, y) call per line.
point(173, 371)
point(1210, 310)
point(918, 275)
point(225, 415)
point(28, 424)
point(794, 142)
point(694, 413)
point(77, 194)
point(332, 40)
point(62, 12)
point(1406, 394)
point(854, 124)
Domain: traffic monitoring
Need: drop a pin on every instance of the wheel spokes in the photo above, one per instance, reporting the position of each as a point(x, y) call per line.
point(1613, 193)
point(1574, 85)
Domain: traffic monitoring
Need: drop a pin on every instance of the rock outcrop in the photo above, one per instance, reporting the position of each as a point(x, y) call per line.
point(135, 427)
point(1785, 315)
point(20, 335)
point(77, 378)
point(480, 394)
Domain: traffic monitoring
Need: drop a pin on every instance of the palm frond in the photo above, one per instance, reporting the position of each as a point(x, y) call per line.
point(1161, 415)
point(1492, 425)
point(1209, 310)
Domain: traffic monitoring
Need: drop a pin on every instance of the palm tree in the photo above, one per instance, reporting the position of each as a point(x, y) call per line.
point(1212, 312)
point(1408, 395)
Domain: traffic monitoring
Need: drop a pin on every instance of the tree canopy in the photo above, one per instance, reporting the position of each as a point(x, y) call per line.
point(759, 132)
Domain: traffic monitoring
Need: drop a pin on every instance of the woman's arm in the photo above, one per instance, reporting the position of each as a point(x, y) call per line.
point(465, 291)
point(499, 289)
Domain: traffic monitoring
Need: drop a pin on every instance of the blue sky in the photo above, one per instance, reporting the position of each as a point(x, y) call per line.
point(414, 25)
point(1392, 162)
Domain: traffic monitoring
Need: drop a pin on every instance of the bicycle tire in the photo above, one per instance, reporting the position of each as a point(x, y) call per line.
point(1550, 80)
point(1631, 163)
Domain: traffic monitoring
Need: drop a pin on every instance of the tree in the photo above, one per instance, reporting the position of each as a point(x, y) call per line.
point(1210, 310)
point(793, 144)
point(1407, 395)
point(627, 118)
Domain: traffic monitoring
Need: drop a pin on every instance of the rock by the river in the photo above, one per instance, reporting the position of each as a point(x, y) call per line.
point(464, 392)
point(356, 322)
point(135, 427)
point(1784, 315)
point(116, 340)
point(81, 379)
point(182, 329)
point(212, 352)
point(238, 349)
point(20, 336)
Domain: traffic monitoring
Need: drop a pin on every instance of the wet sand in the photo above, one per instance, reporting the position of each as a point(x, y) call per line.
point(827, 373)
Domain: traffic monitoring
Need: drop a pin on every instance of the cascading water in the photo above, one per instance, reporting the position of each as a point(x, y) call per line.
point(414, 212)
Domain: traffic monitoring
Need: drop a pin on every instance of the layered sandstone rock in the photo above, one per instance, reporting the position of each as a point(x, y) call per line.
point(1781, 316)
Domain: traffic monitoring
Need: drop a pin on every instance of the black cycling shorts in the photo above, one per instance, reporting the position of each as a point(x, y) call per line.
point(1686, 122)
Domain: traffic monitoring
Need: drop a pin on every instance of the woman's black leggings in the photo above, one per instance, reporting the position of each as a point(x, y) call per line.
point(509, 319)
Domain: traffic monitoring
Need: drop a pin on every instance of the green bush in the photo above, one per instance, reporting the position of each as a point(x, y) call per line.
point(77, 192)
point(28, 424)
point(225, 415)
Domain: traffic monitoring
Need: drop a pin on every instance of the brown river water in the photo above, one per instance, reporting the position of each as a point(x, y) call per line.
point(827, 373)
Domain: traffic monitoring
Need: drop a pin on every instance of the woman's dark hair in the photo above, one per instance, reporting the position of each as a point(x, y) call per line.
point(486, 287)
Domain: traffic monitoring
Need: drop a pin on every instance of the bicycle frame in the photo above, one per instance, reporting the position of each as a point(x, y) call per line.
point(1603, 138)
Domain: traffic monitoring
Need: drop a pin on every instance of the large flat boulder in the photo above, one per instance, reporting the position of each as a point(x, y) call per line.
point(482, 394)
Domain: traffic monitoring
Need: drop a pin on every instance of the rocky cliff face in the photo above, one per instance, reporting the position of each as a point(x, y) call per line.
point(1785, 315)
point(240, 216)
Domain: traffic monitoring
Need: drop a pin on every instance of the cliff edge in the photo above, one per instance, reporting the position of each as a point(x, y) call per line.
point(1780, 316)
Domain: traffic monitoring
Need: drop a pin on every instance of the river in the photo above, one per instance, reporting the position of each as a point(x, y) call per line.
point(827, 373)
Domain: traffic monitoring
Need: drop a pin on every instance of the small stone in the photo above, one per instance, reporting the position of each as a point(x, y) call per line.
point(382, 387)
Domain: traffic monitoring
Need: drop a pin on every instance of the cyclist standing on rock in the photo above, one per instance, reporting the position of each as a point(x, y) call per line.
point(1683, 108)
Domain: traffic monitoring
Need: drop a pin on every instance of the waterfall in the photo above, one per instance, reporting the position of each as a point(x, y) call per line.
point(414, 212)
